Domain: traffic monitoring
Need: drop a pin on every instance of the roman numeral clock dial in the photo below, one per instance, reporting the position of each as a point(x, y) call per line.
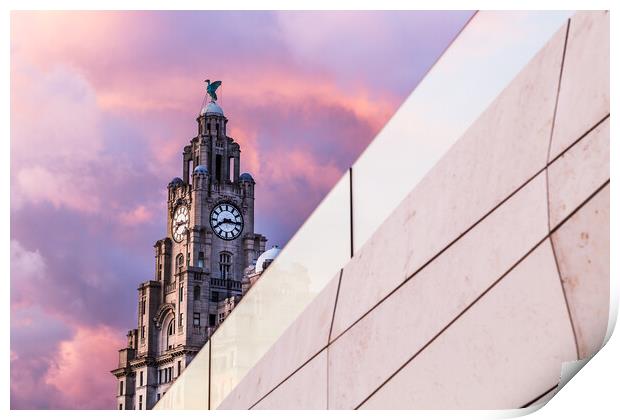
point(226, 221)
point(180, 223)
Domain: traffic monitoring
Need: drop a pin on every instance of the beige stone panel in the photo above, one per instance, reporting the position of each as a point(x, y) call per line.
point(374, 348)
point(305, 390)
point(307, 336)
point(578, 173)
point(582, 250)
point(503, 352)
point(584, 92)
point(505, 147)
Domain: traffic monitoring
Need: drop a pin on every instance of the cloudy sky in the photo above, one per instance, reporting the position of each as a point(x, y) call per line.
point(102, 104)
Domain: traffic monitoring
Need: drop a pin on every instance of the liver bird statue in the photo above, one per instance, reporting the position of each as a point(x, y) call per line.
point(212, 87)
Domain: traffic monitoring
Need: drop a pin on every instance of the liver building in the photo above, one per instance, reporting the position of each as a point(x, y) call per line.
point(199, 265)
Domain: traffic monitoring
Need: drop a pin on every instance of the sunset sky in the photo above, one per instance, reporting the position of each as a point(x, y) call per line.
point(102, 104)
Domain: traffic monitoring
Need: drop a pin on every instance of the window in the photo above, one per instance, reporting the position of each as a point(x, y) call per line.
point(178, 368)
point(215, 296)
point(142, 329)
point(166, 374)
point(196, 319)
point(141, 377)
point(120, 406)
point(225, 263)
point(158, 397)
point(221, 317)
point(170, 333)
point(201, 259)
point(180, 320)
point(179, 262)
point(196, 292)
point(212, 320)
point(217, 127)
point(143, 307)
point(218, 167)
point(121, 388)
point(159, 374)
point(196, 276)
point(140, 402)
point(181, 293)
point(208, 126)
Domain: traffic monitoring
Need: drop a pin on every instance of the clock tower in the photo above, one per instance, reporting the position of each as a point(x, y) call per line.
point(199, 264)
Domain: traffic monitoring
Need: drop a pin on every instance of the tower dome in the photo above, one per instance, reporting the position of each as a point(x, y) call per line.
point(212, 108)
point(246, 177)
point(175, 182)
point(266, 258)
point(201, 170)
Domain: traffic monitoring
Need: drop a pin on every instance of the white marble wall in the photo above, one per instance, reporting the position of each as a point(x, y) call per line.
point(492, 272)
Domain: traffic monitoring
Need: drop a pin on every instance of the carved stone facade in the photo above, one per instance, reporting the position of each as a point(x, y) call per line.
point(199, 265)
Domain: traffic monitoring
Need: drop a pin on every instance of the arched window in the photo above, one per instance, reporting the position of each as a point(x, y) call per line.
point(170, 334)
point(196, 292)
point(225, 263)
point(179, 262)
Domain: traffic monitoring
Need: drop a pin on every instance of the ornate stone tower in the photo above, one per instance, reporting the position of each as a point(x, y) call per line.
point(199, 265)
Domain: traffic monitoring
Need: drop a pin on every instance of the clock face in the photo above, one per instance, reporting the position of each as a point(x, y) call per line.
point(226, 221)
point(180, 223)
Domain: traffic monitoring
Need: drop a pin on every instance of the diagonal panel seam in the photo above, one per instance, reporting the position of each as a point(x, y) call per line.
point(313, 356)
point(547, 236)
point(555, 258)
point(329, 337)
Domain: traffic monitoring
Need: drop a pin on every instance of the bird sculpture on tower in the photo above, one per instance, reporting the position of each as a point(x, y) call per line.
point(212, 87)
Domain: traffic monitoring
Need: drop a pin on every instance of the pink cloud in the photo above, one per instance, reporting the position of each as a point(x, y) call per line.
point(37, 184)
point(58, 366)
point(28, 267)
point(80, 371)
point(54, 115)
point(137, 215)
point(55, 134)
